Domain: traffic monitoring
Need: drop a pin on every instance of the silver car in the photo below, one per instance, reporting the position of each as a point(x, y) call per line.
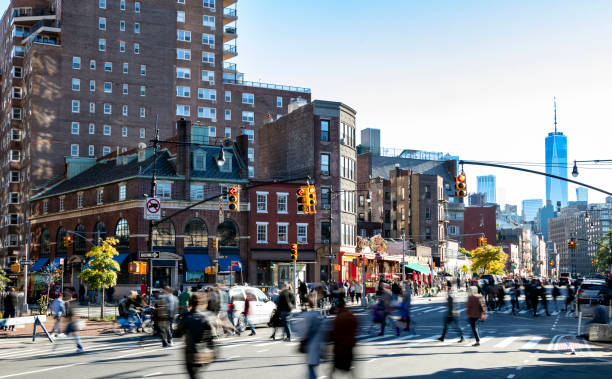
point(590, 291)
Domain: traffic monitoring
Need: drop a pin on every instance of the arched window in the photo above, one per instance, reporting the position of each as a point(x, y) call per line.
point(163, 234)
point(59, 241)
point(79, 239)
point(45, 243)
point(196, 233)
point(122, 233)
point(99, 232)
point(227, 233)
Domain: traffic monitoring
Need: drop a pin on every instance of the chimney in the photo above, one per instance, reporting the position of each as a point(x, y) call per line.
point(268, 119)
point(183, 163)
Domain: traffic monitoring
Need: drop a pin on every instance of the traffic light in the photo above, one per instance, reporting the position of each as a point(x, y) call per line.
point(234, 199)
point(210, 270)
point(214, 243)
point(312, 199)
point(15, 268)
point(142, 268)
point(552, 263)
point(482, 241)
point(294, 251)
point(302, 201)
point(571, 244)
point(460, 185)
point(67, 241)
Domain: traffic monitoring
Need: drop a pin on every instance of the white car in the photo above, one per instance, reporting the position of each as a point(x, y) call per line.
point(261, 307)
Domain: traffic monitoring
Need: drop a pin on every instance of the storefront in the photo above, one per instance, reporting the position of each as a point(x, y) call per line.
point(349, 266)
point(274, 267)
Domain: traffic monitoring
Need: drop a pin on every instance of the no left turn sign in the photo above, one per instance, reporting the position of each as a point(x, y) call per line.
point(152, 209)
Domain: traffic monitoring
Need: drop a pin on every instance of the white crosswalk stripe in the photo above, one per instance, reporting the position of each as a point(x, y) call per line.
point(506, 342)
point(533, 342)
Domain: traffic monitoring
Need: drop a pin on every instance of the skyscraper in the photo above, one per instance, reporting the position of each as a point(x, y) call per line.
point(556, 164)
point(530, 209)
point(486, 185)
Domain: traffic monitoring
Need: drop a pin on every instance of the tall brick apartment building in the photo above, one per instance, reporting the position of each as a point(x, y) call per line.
point(86, 78)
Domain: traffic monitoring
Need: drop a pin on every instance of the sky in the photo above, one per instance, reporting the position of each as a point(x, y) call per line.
point(469, 78)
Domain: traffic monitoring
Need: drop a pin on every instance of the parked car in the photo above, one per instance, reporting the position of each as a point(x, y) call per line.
point(590, 291)
point(261, 306)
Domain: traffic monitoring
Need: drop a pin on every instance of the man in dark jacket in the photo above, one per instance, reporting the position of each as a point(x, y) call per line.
point(342, 336)
point(452, 317)
point(286, 302)
point(198, 335)
point(303, 292)
point(10, 306)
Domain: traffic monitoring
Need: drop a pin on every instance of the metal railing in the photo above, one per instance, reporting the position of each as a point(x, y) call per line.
point(229, 66)
point(229, 30)
point(265, 85)
point(230, 49)
point(229, 12)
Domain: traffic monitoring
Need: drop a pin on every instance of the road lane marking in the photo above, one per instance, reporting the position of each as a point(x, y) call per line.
point(375, 338)
point(267, 343)
point(151, 374)
point(262, 351)
point(506, 342)
point(533, 342)
point(431, 310)
point(510, 376)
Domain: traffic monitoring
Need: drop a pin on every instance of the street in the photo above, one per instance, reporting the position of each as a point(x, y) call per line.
point(511, 347)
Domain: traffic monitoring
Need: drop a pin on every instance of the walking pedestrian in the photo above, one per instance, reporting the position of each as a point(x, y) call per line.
point(352, 291)
point(57, 308)
point(200, 349)
point(183, 299)
point(246, 313)
point(161, 316)
point(501, 294)
point(285, 304)
point(10, 306)
point(74, 326)
point(358, 291)
point(342, 336)
point(556, 292)
point(476, 311)
point(542, 293)
point(303, 294)
point(313, 338)
point(405, 308)
point(452, 317)
point(569, 299)
point(514, 300)
point(383, 308)
point(534, 295)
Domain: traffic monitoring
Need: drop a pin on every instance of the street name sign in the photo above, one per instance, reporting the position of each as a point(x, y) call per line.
point(148, 254)
point(152, 209)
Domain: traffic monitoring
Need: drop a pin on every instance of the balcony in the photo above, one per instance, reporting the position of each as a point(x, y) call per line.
point(229, 33)
point(229, 67)
point(227, 3)
point(229, 51)
point(30, 16)
point(229, 79)
point(229, 15)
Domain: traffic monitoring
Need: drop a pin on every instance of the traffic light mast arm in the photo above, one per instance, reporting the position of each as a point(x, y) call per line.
point(476, 163)
point(593, 242)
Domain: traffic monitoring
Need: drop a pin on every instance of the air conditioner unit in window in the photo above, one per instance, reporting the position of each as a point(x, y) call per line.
point(212, 82)
point(342, 141)
point(251, 123)
point(212, 9)
point(302, 241)
point(212, 64)
point(325, 241)
point(213, 28)
point(212, 45)
point(214, 101)
point(326, 206)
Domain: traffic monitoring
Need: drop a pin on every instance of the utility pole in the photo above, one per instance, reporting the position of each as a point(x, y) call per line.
point(24, 309)
point(152, 194)
point(403, 257)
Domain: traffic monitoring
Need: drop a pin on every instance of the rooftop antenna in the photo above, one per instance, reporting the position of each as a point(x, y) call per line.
point(555, 105)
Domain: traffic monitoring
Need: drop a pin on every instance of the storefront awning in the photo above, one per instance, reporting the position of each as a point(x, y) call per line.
point(417, 267)
point(39, 264)
point(119, 259)
point(56, 261)
point(225, 264)
point(197, 262)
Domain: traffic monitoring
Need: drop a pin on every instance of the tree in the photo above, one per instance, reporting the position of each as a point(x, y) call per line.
point(3, 280)
point(464, 251)
point(490, 258)
point(603, 258)
point(101, 270)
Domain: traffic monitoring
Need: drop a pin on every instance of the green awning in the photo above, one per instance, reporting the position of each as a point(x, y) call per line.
point(417, 267)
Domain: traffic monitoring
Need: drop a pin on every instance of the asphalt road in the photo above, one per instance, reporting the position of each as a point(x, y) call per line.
point(511, 347)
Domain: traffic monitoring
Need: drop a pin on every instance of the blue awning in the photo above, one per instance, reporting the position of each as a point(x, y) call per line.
point(119, 259)
point(197, 262)
point(56, 261)
point(225, 262)
point(39, 264)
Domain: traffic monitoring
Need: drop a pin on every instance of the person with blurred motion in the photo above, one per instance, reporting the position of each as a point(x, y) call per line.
point(162, 316)
point(476, 310)
point(569, 299)
point(313, 338)
point(383, 308)
point(10, 306)
point(556, 292)
point(200, 349)
point(542, 293)
point(183, 299)
point(246, 313)
point(342, 336)
point(57, 308)
point(452, 317)
point(303, 294)
point(286, 302)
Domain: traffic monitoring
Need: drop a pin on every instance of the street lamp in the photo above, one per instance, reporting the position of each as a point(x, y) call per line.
point(575, 168)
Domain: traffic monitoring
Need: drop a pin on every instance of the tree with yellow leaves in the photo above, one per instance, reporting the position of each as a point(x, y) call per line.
point(491, 259)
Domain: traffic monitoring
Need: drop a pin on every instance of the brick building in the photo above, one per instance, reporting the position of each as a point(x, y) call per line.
point(318, 140)
point(105, 197)
point(87, 78)
point(478, 220)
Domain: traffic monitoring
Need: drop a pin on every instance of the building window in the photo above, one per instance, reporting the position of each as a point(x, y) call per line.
point(122, 191)
point(91, 150)
point(74, 128)
point(137, 7)
point(208, 40)
point(208, 21)
point(208, 3)
point(248, 98)
point(281, 202)
point(164, 190)
point(248, 116)
point(207, 94)
point(105, 150)
point(325, 130)
point(180, 16)
point(101, 44)
point(108, 87)
point(324, 164)
point(74, 150)
point(183, 54)
point(76, 63)
point(228, 114)
point(142, 113)
point(183, 73)
point(122, 46)
point(124, 131)
point(108, 66)
point(427, 213)
point(199, 161)
point(182, 91)
point(108, 108)
point(302, 234)
point(142, 133)
point(14, 155)
point(92, 128)
point(205, 112)
point(196, 192)
point(279, 102)
point(212, 131)
point(61, 204)
point(251, 154)
point(183, 110)
point(262, 202)
point(250, 133)
point(45, 209)
point(228, 96)
point(143, 70)
point(107, 130)
point(136, 48)
point(15, 135)
point(102, 23)
point(325, 197)
point(228, 132)
point(79, 200)
point(14, 177)
point(251, 171)
point(282, 235)
point(125, 89)
point(76, 106)
point(16, 112)
point(143, 91)
point(208, 57)
point(136, 27)
point(262, 232)
point(102, 4)
point(76, 85)
point(100, 196)
point(122, 26)
point(126, 67)
point(208, 76)
point(183, 35)
point(122, 5)
point(92, 107)
point(92, 85)
point(17, 72)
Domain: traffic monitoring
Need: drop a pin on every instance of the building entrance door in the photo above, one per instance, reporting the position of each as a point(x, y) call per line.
point(162, 276)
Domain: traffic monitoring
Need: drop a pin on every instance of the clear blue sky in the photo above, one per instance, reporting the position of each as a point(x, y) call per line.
point(471, 78)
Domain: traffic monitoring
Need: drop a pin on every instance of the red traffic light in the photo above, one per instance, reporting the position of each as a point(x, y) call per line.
point(232, 190)
point(301, 192)
point(461, 177)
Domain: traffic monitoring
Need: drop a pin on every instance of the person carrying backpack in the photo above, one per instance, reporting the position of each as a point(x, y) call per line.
point(200, 349)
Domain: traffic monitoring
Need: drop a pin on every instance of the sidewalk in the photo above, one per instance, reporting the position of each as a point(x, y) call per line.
point(91, 328)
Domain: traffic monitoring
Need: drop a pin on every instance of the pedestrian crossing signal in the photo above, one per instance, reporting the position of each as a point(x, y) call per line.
point(210, 270)
point(234, 199)
point(302, 201)
point(460, 185)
